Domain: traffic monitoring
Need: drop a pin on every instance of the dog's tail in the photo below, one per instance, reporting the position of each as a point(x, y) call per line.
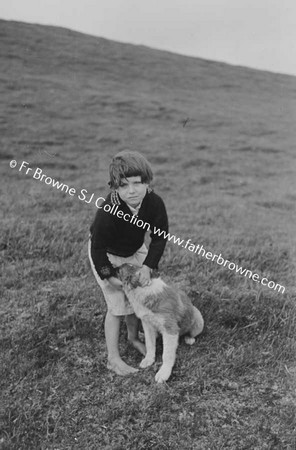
point(198, 323)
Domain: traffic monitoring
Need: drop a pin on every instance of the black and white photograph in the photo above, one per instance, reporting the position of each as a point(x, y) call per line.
point(148, 225)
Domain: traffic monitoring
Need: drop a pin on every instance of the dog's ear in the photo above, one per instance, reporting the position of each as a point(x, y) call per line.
point(135, 279)
point(125, 273)
point(122, 272)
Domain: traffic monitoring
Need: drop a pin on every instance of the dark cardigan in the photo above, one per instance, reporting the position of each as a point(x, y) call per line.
point(115, 235)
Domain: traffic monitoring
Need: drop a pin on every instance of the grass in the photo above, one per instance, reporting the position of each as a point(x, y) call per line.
point(227, 177)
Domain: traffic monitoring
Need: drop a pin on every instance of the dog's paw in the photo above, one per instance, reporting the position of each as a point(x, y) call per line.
point(163, 374)
point(189, 340)
point(146, 362)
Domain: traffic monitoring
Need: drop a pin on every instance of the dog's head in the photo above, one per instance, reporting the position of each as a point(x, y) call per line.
point(129, 275)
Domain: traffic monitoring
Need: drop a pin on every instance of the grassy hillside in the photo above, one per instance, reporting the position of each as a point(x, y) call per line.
point(221, 140)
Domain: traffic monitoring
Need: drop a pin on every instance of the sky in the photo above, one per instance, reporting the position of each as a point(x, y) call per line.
point(255, 33)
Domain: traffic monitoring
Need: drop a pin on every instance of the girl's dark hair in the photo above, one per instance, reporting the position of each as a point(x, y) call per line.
point(129, 164)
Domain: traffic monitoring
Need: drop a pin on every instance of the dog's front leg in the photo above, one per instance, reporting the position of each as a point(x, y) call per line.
point(170, 344)
point(150, 342)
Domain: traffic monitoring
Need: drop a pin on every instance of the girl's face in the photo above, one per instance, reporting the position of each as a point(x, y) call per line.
point(132, 190)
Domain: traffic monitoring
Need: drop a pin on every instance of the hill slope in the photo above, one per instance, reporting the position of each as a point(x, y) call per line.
point(88, 93)
point(221, 140)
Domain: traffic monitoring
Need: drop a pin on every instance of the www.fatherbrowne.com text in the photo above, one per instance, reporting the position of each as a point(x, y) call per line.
point(200, 250)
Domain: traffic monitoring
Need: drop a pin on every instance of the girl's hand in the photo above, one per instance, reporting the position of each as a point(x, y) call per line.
point(144, 276)
point(115, 282)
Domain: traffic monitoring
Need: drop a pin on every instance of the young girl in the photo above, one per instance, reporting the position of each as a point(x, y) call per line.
point(117, 237)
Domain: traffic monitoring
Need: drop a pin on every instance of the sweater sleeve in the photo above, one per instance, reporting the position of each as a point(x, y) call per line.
point(158, 239)
point(101, 231)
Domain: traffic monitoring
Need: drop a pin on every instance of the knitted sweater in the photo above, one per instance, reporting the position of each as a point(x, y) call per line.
point(117, 231)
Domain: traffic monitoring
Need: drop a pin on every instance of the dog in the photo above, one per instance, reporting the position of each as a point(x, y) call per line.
point(162, 309)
